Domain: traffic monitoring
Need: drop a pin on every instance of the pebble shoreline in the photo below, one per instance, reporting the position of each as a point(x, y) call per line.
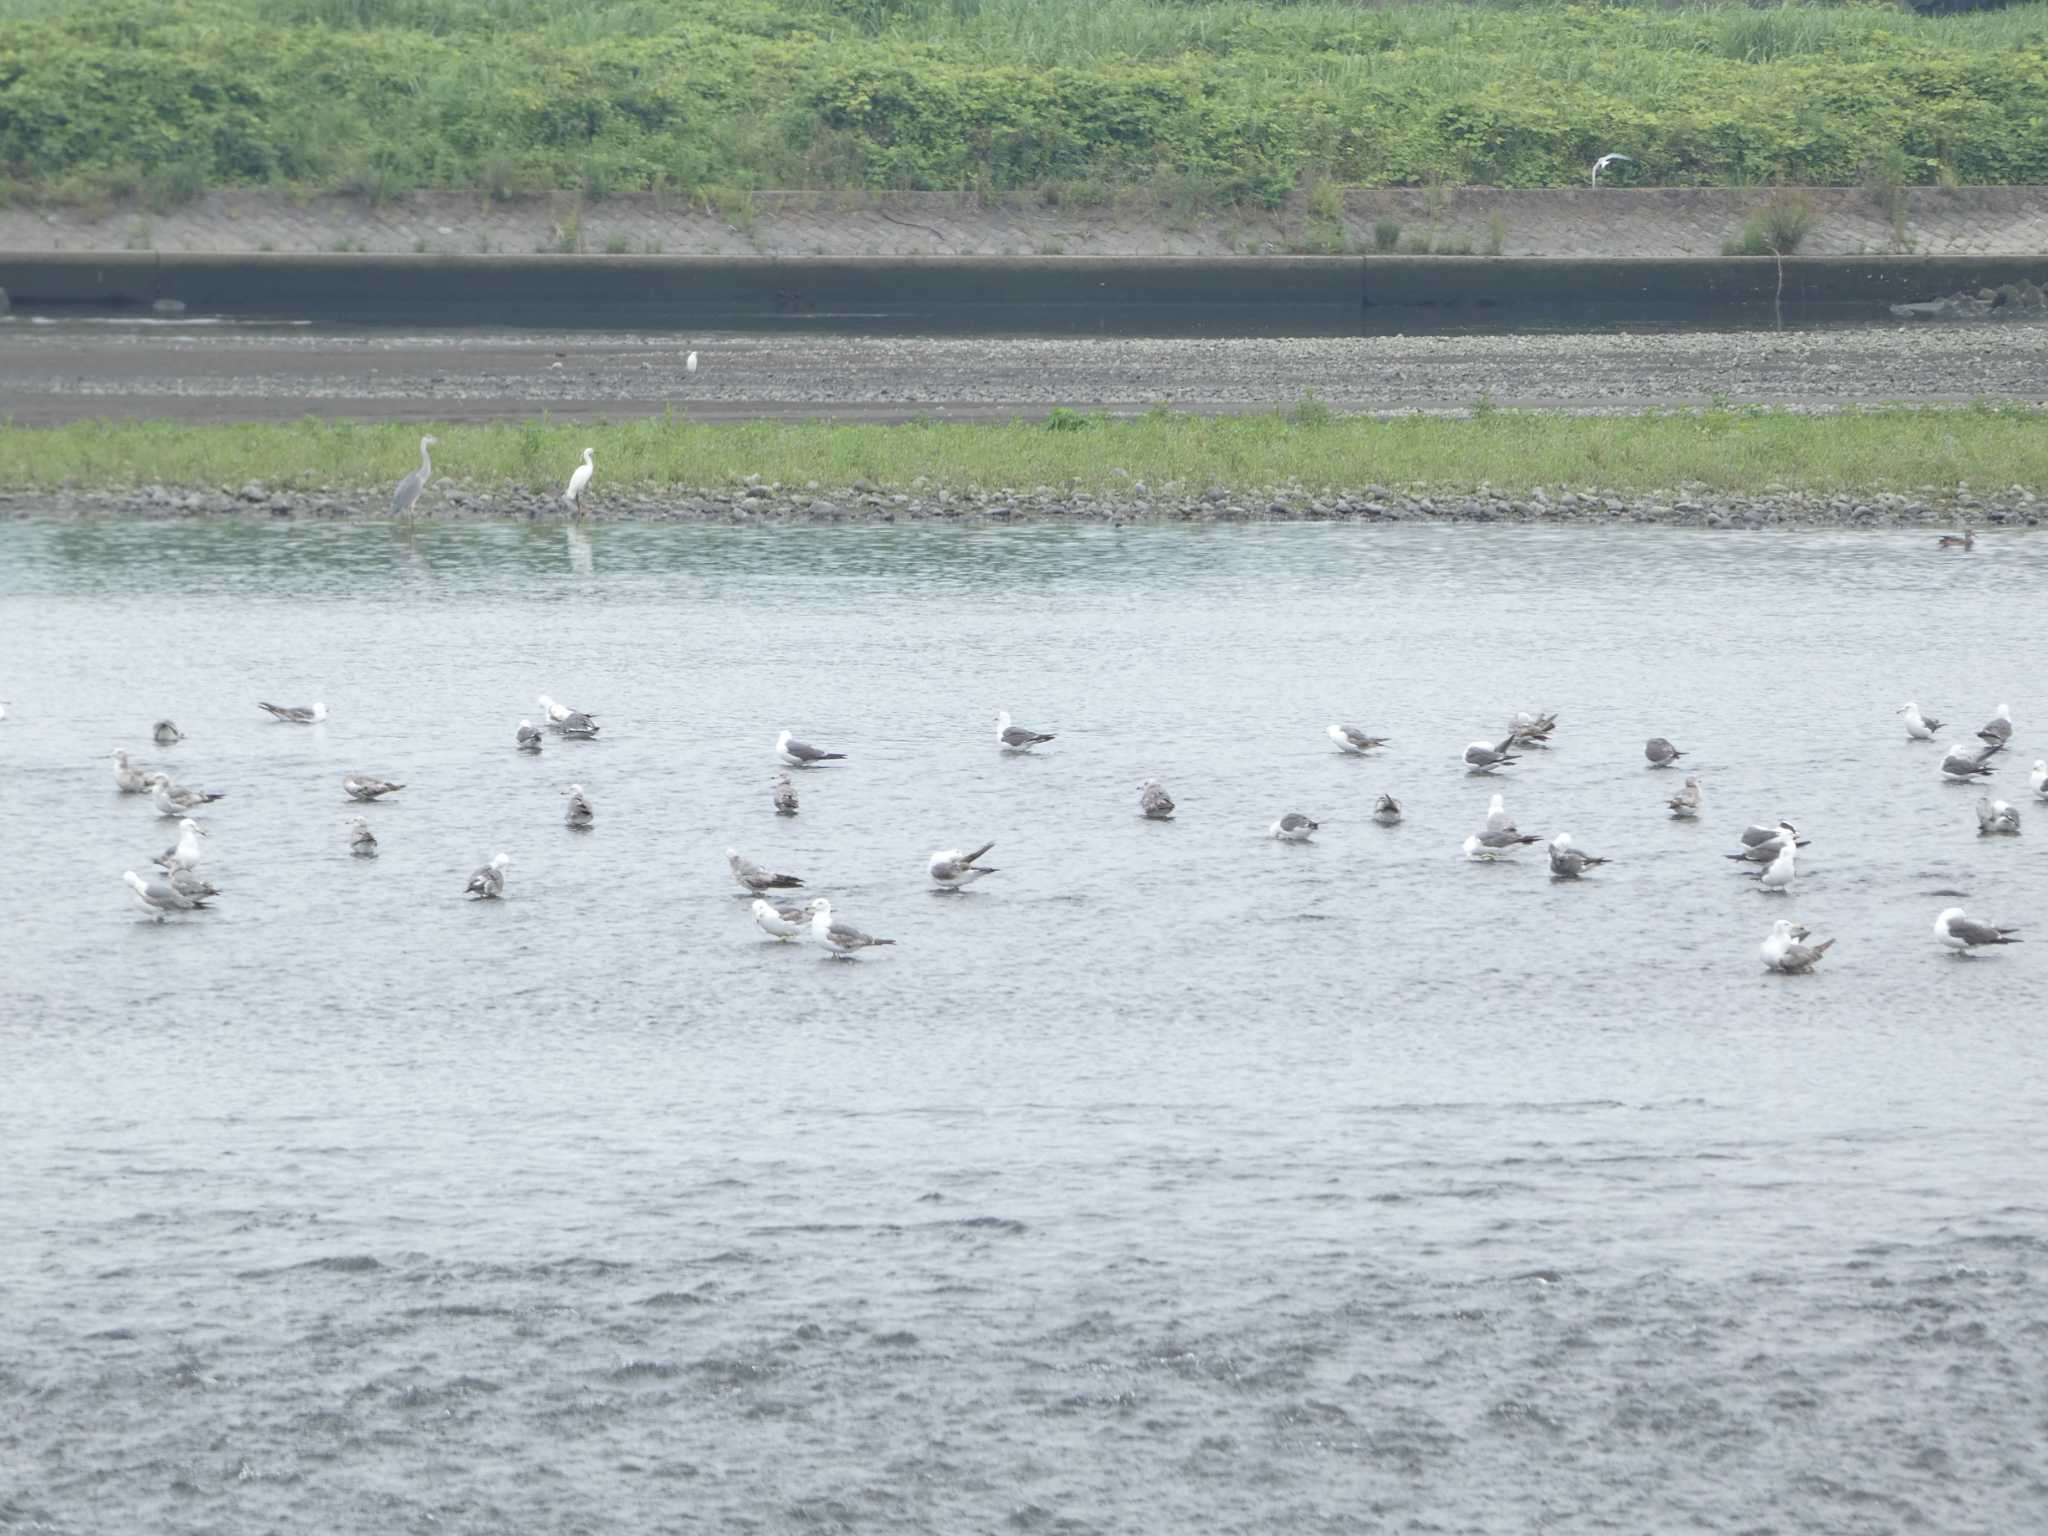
point(2014, 507)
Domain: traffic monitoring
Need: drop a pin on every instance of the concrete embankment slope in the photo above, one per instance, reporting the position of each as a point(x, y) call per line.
point(1019, 295)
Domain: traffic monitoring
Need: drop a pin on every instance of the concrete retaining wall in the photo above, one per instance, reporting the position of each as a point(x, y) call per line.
point(1025, 295)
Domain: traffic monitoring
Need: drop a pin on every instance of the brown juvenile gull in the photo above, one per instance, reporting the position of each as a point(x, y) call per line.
point(778, 921)
point(158, 897)
point(1996, 816)
point(785, 796)
point(842, 939)
point(1783, 950)
point(753, 877)
point(362, 842)
point(801, 754)
point(1566, 862)
point(1293, 828)
point(362, 786)
point(1386, 810)
point(167, 734)
point(129, 776)
point(1354, 742)
point(581, 816)
point(175, 800)
point(296, 714)
point(1014, 738)
point(1154, 803)
point(1485, 756)
point(1961, 765)
point(1686, 803)
point(1661, 753)
point(951, 872)
point(1963, 934)
point(489, 882)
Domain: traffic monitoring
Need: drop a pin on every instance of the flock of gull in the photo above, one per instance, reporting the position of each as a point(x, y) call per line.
point(1768, 853)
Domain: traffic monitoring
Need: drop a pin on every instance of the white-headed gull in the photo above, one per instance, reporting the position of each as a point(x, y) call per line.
point(1963, 934)
point(842, 939)
point(952, 871)
point(489, 882)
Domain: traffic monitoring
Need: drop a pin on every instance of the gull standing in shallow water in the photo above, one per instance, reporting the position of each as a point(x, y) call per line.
point(408, 492)
point(1962, 765)
point(1660, 753)
point(1386, 810)
point(175, 800)
point(529, 738)
point(570, 722)
point(1154, 803)
point(951, 872)
point(581, 816)
point(780, 922)
point(2039, 777)
point(1784, 952)
point(752, 877)
point(1685, 805)
point(1566, 862)
point(1527, 730)
point(1293, 828)
point(131, 779)
point(489, 882)
point(1963, 934)
point(157, 897)
point(840, 938)
point(167, 734)
point(362, 786)
point(1918, 726)
point(1484, 756)
point(1014, 738)
point(1782, 870)
point(362, 842)
point(1353, 742)
point(1996, 816)
point(785, 796)
point(1998, 729)
point(296, 714)
point(801, 754)
point(185, 853)
point(1760, 845)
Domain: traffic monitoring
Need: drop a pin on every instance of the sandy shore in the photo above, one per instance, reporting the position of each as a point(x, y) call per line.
point(209, 374)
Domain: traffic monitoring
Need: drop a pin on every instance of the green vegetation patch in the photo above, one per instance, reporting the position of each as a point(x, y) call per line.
point(1737, 451)
point(1197, 102)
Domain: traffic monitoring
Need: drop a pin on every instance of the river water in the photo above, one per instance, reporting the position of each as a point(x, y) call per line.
point(1171, 1178)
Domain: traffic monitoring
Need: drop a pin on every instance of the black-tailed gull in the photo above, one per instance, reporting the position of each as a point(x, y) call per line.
point(158, 897)
point(1918, 726)
point(364, 786)
point(1293, 828)
point(1962, 764)
point(1014, 738)
point(753, 877)
point(1963, 934)
point(1566, 862)
point(1783, 950)
point(174, 799)
point(952, 871)
point(1660, 753)
point(1485, 756)
point(489, 882)
point(801, 754)
point(780, 922)
point(1354, 742)
point(842, 939)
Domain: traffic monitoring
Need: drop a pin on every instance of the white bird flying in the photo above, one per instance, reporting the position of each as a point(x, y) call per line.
point(801, 754)
point(1293, 828)
point(1014, 738)
point(1963, 934)
point(952, 872)
point(1996, 816)
point(1354, 742)
point(297, 714)
point(577, 481)
point(842, 939)
point(780, 922)
point(489, 882)
point(1918, 726)
point(1606, 160)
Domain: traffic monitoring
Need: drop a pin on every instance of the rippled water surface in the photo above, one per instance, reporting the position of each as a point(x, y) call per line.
point(1170, 1179)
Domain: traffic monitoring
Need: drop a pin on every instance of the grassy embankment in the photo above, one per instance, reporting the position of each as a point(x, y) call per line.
point(1187, 103)
point(1722, 450)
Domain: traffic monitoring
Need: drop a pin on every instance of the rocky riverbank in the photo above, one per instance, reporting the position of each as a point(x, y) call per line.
point(2014, 507)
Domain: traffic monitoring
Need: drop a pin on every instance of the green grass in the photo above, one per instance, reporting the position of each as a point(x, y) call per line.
point(1744, 450)
point(1209, 100)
